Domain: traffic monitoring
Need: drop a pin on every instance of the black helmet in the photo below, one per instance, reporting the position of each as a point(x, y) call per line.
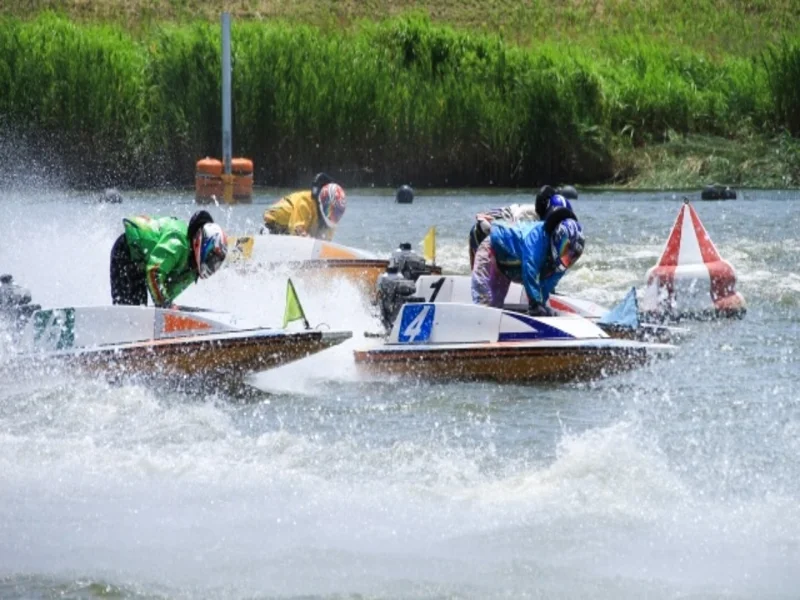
point(543, 200)
point(196, 222)
point(320, 181)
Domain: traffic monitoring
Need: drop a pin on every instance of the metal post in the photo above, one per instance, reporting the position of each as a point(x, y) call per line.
point(227, 137)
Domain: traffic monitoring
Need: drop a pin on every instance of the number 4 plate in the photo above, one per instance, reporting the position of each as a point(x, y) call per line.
point(416, 323)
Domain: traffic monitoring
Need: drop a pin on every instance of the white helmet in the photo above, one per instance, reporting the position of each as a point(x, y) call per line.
point(210, 246)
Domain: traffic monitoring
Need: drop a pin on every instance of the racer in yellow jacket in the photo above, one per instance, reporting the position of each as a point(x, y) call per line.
point(314, 213)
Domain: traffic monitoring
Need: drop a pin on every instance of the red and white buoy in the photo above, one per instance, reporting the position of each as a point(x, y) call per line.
point(691, 280)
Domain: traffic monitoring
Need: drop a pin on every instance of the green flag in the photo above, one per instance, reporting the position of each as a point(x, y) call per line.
point(294, 310)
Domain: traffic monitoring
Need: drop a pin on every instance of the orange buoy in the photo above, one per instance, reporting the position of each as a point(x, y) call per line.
point(208, 180)
point(242, 171)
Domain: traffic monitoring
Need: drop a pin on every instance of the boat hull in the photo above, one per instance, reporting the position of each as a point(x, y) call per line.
point(206, 362)
point(183, 345)
point(508, 363)
point(473, 342)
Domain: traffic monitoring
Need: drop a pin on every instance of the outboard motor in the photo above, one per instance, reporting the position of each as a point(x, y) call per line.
point(399, 283)
point(15, 303)
point(409, 264)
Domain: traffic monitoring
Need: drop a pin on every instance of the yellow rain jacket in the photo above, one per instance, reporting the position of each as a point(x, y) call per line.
point(297, 214)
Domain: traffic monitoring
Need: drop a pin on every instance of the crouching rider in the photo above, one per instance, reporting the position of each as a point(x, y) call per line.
point(313, 213)
point(546, 202)
point(535, 254)
point(164, 256)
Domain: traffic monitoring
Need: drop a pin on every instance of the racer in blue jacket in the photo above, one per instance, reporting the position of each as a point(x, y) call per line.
point(536, 254)
point(547, 201)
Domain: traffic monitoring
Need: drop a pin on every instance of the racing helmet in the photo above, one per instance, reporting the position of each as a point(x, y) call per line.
point(332, 203)
point(210, 247)
point(320, 180)
point(566, 244)
point(557, 201)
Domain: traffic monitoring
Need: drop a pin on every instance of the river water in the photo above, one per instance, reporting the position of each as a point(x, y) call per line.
point(679, 480)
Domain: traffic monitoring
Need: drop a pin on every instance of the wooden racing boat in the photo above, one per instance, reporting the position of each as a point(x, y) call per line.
point(472, 342)
point(152, 343)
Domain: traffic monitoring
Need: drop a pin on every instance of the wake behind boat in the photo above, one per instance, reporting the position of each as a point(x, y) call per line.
point(189, 346)
point(473, 342)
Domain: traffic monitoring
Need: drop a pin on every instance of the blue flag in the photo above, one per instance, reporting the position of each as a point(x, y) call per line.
point(625, 314)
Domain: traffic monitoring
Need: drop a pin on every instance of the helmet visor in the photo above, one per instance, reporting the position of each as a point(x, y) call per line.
point(214, 261)
point(564, 255)
point(211, 258)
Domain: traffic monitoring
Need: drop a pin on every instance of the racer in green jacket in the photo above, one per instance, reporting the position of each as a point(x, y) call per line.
point(164, 255)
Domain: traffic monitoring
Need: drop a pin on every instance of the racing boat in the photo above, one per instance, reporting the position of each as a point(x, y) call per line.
point(473, 342)
point(311, 258)
point(307, 258)
point(620, 322)
point(181, 345)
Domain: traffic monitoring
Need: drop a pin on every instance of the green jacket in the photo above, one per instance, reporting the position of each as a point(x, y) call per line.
point(162, 248)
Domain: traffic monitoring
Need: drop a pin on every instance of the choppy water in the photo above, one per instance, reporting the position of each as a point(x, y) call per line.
point(680, 480)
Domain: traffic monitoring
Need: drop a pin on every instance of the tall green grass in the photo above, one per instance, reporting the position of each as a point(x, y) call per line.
point(783, 69)
point(741, 27)
point(399, 100)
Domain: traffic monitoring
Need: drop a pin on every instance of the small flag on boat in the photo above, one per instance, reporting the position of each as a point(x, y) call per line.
point(624, 314)
point(294, 310)
point(242, 246)
point(429, 245)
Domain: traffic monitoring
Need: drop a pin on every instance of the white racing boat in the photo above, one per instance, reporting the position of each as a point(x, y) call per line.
point(320, 260)
point(472, 342)
point(622, 321)
point(188, 345)
point(306, 258)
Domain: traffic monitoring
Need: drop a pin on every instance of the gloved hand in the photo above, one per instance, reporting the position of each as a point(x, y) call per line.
point(485, 225)
point(540, 310)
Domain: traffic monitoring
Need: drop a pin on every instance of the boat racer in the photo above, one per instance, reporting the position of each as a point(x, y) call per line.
point(535, 254)
point(314, 213)
point(547, 200)
point(163, 256)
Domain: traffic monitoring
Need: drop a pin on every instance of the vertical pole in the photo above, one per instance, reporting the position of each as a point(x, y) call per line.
point(227, 137)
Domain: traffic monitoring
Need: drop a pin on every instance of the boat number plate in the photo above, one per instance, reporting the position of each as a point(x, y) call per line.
point(416, 323)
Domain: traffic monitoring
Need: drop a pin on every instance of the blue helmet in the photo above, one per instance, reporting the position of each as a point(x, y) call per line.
point(547, 200)
point(557, 201)
point(566, 244)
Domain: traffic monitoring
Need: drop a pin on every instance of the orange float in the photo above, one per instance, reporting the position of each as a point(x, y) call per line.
point(209, 180)
point(242, 171)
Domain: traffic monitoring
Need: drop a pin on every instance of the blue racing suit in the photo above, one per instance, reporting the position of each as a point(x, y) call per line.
point(514, 252)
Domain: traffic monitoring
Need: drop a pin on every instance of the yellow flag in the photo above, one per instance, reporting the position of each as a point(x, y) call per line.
point(294, 310)
point(241, 247)
point(429, 245)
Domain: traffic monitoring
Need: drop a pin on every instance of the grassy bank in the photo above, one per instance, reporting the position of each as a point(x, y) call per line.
point(409, 100)
point(740, 27)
